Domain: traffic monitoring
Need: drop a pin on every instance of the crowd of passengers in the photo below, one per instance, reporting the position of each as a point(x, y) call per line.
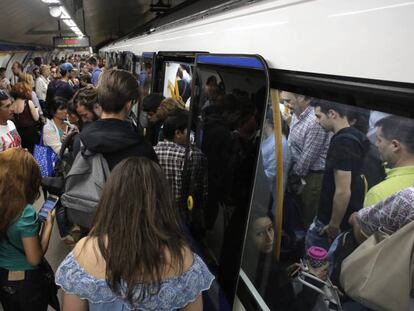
point(350, 176)
point(346, 182)
point(149, 266)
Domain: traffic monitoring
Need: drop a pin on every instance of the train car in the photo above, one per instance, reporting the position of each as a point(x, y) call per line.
point(248, 66)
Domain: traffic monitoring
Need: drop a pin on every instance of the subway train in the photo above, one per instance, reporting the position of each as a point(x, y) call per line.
point(253, 58)
point(256, 55)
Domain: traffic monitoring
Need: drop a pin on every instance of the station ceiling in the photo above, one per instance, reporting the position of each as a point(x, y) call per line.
point(29, 21)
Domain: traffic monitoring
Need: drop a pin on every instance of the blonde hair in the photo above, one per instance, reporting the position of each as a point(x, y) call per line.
point(43, 68)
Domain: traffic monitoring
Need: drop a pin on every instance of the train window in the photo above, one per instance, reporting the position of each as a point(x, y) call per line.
point(226, 122)
point(145, 76)
point(137, 69)
point(342, 176)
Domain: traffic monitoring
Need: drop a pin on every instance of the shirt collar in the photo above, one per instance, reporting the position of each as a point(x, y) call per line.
point(305, 113)
point(399, 171)
point(169, 143)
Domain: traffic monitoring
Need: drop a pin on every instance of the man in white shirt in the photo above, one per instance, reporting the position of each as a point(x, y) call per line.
point(9, 137)
point(42, 82)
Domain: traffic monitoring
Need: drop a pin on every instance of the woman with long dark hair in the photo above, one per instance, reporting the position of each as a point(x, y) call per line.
point(21, 247)
point(136, 256)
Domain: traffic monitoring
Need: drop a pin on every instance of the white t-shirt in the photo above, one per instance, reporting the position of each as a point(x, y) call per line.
point(9, 137)
point(41, 87)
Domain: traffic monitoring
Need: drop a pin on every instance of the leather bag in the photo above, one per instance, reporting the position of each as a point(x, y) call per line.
point(379, 273)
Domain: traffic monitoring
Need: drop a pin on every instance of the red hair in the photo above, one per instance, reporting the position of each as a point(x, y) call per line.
point(21, 90)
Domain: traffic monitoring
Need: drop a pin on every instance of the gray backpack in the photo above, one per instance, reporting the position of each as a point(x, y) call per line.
point(83, 187)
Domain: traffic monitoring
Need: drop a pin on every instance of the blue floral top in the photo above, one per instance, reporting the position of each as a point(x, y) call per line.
point(175, 292)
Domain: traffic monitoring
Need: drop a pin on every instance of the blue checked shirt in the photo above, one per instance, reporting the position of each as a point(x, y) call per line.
point(308, 143)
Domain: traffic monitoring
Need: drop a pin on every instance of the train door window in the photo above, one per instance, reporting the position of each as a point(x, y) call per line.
point(177, 82)
point(146, 73)
point(326, 147)
point(227, 113)
point(128, 61)
point(137, 69)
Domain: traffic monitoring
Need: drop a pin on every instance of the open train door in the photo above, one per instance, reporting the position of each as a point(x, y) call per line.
point(230, 97)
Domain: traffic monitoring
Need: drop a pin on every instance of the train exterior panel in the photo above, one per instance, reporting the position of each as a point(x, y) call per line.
point(364, 39)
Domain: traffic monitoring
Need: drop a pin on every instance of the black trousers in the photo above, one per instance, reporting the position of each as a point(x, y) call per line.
point(25, 295)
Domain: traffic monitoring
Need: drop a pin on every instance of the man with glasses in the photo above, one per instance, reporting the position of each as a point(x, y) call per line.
point(9, 137)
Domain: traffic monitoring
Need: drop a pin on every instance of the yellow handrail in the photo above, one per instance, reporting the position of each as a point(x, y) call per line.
point(279, 170)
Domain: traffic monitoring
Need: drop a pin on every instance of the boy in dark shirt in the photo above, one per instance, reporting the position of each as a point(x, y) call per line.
point(343, 187)
point(113, 135)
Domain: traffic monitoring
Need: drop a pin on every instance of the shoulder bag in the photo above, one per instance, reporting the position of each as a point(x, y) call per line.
point(45, 157)
point(379, 273)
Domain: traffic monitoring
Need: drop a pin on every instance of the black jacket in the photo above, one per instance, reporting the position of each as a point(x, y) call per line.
point(116, 140)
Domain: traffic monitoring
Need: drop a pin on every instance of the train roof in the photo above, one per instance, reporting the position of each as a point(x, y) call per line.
point(364, 39)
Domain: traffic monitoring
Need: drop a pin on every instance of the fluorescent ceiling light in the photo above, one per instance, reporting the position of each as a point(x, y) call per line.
point(51, 1)
point(69, 22)
point(65, 14)
point(59, 11)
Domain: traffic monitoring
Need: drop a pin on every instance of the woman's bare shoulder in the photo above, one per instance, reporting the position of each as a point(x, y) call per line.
point(88, 255)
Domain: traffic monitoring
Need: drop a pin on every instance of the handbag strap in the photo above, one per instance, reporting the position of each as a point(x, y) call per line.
point(41, 137)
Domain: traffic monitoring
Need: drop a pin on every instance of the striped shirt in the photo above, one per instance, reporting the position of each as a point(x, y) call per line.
point(308, 143)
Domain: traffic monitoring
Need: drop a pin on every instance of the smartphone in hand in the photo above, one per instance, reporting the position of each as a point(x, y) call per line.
point(48, 206)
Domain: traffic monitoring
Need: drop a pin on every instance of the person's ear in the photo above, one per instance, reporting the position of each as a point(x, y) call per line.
point(128, 106)
point(396, 145)
point(178, 133)
point(300, 98)
point(97, 109)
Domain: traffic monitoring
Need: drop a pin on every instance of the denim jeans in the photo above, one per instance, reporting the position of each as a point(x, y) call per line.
point(313, 236)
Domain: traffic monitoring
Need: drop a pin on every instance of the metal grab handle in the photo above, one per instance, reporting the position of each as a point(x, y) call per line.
point(315, 288)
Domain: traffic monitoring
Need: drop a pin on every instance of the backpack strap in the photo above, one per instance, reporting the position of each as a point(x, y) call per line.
point(86, 153)
point(353, 138)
